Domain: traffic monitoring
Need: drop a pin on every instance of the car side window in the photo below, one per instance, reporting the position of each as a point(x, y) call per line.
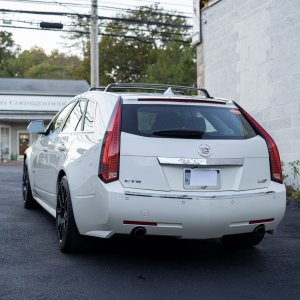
point(89, 117)
point(56, 123)
point(74, 120)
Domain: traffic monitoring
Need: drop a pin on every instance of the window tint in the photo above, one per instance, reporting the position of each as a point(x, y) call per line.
point(182, 121)
point(89, 117)
point(73, 122)
point(56, 123)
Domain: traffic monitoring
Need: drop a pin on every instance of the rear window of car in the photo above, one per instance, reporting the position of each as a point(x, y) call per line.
point(185, 121)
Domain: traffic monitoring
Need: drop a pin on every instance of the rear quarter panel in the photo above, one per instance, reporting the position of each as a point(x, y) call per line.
point(82, 164)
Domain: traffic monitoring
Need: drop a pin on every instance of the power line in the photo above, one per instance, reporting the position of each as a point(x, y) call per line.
point(148, 41)
point(70, 4)
point(143, 21)
point(147, 1)
point(105, 26)
point(65, 6)
point(152, 12)
point(53, 13)
point(169, 3)
point(144, 30)
point(33, 28)
point(130, 20)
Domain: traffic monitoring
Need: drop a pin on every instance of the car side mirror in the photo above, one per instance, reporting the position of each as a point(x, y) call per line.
point(36, 127)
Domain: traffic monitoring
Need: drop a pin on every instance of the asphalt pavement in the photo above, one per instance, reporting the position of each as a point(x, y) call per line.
point(32, 267)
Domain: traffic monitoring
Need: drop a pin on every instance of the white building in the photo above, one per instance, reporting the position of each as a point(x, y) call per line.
point(24, 100)
point(249, 51)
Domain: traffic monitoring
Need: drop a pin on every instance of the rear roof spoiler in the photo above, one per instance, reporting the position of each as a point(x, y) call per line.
point(184, 100)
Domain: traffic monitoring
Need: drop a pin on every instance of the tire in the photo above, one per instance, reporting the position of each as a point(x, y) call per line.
point(28, 200)
point(247, 240)
point(69, 238)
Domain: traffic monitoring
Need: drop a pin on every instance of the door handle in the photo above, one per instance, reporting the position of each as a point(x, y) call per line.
point(61, 147)
point(45, 149)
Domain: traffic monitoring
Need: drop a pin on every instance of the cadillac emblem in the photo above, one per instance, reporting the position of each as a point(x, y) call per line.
point(204, 150)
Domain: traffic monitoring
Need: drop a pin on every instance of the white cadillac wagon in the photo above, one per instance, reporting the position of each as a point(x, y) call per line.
point(151, 159)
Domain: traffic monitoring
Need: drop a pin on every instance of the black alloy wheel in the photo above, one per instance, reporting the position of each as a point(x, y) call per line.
point(28, 199)
point(62, 213)
point(69, 238)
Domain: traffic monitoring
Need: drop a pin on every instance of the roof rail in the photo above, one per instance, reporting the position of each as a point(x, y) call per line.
point(153, 87)
point(101, 88)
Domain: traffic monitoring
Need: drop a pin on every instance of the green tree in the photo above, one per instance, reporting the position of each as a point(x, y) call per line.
point(8, 52)
point(35, 63)
point(173, 65)
point(28, 59)
point(141, 50)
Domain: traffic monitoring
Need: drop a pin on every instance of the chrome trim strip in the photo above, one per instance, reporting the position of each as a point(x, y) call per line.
point(201, 161)
point(197, 197)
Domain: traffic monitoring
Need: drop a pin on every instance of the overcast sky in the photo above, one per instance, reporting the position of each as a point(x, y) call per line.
point(50, 40)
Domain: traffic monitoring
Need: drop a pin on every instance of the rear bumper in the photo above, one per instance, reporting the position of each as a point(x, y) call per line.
point(192, 215)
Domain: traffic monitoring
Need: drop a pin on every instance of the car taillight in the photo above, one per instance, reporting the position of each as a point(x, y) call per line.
point(110, 152)
point(275, 164)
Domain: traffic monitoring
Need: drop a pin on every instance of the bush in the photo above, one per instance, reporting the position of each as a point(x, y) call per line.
point(296, 195)
point(14, 156)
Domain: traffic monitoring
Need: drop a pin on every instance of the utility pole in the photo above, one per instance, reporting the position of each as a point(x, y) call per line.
point(94, 45)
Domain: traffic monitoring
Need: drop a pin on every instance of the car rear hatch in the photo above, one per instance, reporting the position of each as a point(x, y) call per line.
point(173, 145)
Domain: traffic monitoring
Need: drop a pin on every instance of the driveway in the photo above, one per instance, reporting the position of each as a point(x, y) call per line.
point(32, 267)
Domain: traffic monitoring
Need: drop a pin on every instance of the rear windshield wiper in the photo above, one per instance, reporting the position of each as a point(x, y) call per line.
point(180, 133)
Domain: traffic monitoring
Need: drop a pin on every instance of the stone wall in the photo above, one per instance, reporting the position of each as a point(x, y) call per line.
point(251, 53)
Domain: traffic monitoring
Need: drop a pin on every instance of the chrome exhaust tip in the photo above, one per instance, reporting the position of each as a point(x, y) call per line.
point(139, 232)
point(259, 230)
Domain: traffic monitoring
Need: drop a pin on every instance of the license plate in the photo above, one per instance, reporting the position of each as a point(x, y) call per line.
point(201, 178)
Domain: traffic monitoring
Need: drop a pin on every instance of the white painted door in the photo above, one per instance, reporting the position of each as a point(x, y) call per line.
point(4, 143)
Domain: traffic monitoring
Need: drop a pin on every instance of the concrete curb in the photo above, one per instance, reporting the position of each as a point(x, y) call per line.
point(12, 163)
